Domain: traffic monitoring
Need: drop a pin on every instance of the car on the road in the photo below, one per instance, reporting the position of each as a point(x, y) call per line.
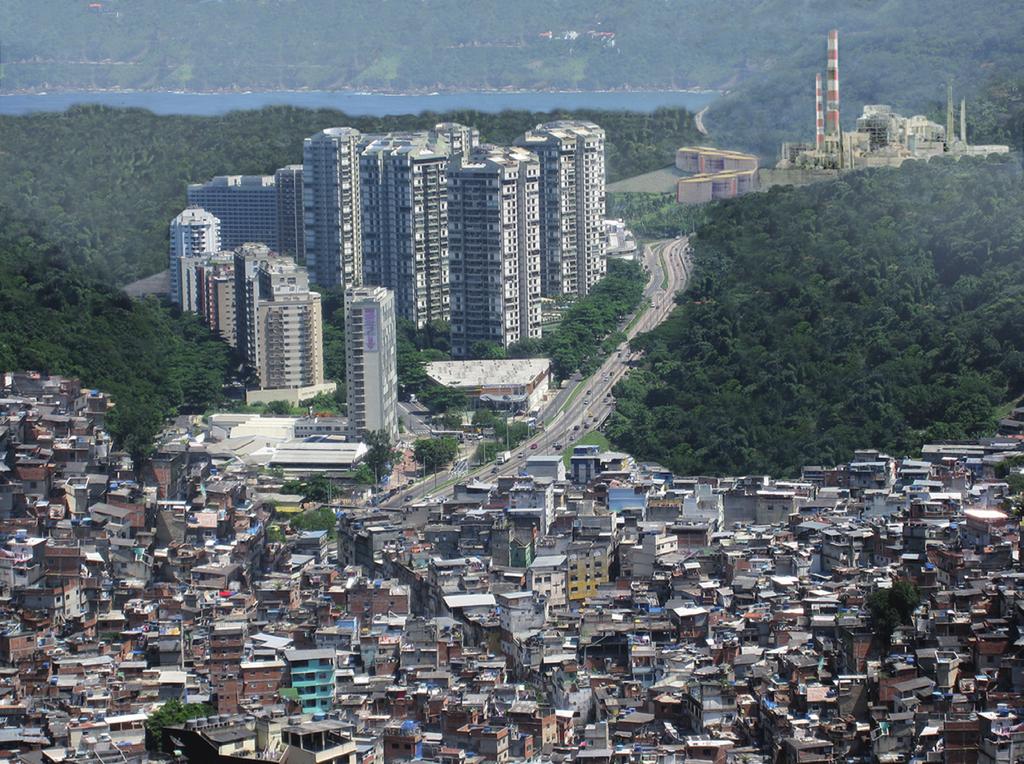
point(558, 446)
point(533, 446)
point(407, 497)
point(576, 427)
point(493, 470)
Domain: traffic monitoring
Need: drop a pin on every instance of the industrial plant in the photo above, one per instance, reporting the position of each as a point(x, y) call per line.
point(882, 137)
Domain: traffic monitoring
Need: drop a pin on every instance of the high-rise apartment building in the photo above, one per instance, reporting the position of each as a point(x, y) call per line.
point(290, 234)
point(371, 370)
point(246, 206)
point(279, 324)
point(194, 233)
point(331, 206)
point(209, 290)
point(572, 205)
point(405, 222)
point(461, 139)
point(494, 247)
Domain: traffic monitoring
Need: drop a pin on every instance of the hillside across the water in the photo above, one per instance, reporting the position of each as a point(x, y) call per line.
point(876, 311)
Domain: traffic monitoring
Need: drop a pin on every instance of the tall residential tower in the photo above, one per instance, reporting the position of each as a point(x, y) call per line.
point(572, 205)
point(405, 222)
point(279, 325)
point(290, 234)
point(332, 213)
point(246, 206)
point(194, 233)
point(371, 371)
point(494, 247)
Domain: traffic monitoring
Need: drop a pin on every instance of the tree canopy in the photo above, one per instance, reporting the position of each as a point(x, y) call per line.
point(880, 310)
point(892, 608)
point(55, 318)
point(171, 713)
point(435, 453)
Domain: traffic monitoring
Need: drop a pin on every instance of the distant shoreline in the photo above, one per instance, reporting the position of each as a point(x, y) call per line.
point(355, 92)
point(356, 103)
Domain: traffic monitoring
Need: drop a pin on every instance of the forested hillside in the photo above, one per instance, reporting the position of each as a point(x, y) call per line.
point(106, 182)
point(53, 318)
point(880, 310)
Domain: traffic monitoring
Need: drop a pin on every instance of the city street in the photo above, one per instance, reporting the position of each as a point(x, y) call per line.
point(583, 407)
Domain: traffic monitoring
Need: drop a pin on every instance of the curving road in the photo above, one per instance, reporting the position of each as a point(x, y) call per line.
point(573, 413)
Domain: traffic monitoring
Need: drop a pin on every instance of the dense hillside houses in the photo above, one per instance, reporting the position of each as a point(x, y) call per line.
point(589, 608)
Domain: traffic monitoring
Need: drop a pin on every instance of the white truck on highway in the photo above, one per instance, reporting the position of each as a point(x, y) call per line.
point(503, 457)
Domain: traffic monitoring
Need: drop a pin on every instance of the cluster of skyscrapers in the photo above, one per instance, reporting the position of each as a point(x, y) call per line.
point(428, 226)
point(259, 302)
point(377, 210)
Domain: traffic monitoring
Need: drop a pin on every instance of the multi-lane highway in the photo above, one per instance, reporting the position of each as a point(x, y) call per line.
point(572, 414)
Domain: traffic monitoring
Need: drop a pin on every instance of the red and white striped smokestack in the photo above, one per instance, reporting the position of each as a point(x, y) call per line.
point(819, 113)
point(832, 108)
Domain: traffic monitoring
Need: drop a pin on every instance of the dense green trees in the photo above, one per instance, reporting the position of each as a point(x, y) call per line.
point(381, 453)
point(435, 453)
point(322, 519)
point(879, 310)
point(890, 608)
point(54, 318)
point(585, 335)
point(170, 713)
point(105, 183)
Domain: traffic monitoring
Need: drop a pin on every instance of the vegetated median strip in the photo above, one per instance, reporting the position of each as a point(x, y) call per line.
point(644, 307)
point(664, 268)
point(573, 395)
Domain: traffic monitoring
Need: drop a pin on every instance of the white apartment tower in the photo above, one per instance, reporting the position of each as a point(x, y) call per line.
point(371, 371)
point(572, 202)
point(194, 233)
point(494, 247)
point(279, 327)
point(246, 206)
point(405, 222)
point(331, 207)
point(461, 139)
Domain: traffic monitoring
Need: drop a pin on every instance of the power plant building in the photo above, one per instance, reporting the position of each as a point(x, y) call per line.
point(882, 137)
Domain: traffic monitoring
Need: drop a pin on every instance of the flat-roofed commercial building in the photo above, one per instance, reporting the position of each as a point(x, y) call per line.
point(517, 384)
